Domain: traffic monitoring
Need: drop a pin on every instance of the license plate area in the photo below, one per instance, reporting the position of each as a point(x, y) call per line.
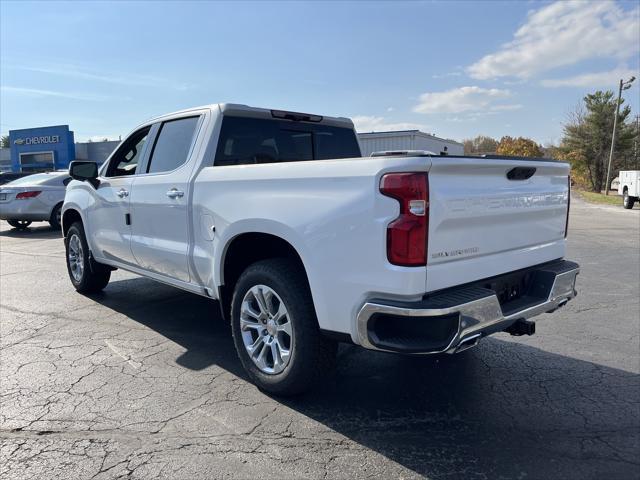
point(3, 196)
point(510, 287)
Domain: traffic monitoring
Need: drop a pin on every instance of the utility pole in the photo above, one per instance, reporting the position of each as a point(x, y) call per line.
point(623, 86)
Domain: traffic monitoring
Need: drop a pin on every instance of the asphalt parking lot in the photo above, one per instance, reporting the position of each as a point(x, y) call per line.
point(142, 381)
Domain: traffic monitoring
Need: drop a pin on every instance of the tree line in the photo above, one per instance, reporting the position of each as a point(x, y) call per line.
point(585, 144)
point(520, 146)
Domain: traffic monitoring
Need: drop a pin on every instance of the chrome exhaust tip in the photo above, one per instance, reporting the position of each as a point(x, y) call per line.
point(468, 343)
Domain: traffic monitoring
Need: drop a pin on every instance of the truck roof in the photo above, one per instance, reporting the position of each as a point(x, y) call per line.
point(241, 110)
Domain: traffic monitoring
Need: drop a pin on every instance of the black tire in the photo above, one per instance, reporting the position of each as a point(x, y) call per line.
point(19, 224)
point(93, 276)
point(56, 217)
point(627, 201)
point(312, 356)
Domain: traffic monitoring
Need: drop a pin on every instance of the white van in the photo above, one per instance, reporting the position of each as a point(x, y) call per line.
point(629, 187)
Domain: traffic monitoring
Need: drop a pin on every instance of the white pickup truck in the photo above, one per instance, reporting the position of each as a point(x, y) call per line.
point(305, 244)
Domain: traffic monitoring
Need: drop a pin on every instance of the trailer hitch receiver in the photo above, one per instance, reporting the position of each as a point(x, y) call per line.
point(522, 326)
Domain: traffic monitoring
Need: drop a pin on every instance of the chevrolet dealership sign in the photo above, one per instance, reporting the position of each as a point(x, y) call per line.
point(29, 146)
point(37, 140)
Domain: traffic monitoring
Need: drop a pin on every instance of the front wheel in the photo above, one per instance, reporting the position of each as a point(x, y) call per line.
point(275, 329)
point(627, 201)
point(87, 275)
point(19, 224)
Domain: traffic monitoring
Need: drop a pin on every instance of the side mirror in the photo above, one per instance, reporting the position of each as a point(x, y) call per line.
point(84, 171)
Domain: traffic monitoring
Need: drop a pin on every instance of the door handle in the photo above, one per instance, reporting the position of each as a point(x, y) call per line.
point(122, 193)
point(175, 193)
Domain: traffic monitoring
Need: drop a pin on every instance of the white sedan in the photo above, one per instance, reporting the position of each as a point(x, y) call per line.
point(35, 198)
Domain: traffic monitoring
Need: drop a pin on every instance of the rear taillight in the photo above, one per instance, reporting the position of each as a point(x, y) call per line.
point(566, 222)
point(25, 195)
point(407, 234)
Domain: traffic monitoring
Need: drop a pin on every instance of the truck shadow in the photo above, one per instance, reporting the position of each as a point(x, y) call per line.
point(190, 320)
point(502, 410)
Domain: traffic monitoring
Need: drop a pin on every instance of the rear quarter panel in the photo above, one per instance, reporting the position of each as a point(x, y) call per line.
point(330, 211)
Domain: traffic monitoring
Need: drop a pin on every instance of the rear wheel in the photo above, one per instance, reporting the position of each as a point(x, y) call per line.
point(87, 275)
point(275, 329)
point(19, 224)
point(627, 201)
point(55, 219)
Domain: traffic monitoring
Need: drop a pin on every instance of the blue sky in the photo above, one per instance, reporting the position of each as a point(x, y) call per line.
point(456, 69)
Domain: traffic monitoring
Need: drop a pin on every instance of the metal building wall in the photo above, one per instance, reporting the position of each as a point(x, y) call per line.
point(437, 145)
point(414, 140)
point(371, 143)
point(5, 159)
point(95, 151)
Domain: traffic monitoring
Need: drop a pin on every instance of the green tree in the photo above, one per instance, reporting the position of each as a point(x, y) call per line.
point(587, 139)
point(5, 141)
point(519, 147)
point(479, 145)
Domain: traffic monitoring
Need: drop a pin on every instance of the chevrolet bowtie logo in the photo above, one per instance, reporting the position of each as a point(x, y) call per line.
point(19, 141)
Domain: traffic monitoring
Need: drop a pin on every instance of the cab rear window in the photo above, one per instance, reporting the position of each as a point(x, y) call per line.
point(256, 140)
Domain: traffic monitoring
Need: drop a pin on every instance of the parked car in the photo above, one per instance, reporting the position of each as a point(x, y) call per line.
point(615, 183)
point(629, 187)
point(34, 198)
point(6, 177)
point(303, 244)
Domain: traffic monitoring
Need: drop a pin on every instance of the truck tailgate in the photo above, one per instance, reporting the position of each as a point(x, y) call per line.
point(482, 223)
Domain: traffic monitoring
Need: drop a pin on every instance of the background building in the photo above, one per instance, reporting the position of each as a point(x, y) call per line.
point(42, 148)
point(96, 151)
point(407, 140)
point(49, 148)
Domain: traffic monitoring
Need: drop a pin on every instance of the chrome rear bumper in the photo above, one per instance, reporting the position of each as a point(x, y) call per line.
point(455, 319)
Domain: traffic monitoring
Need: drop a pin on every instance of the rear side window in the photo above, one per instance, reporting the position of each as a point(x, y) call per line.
point(258, 140)
point(173, 144)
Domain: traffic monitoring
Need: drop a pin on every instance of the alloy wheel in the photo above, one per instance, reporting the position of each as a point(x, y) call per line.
point(76, 257)
point(266, 329)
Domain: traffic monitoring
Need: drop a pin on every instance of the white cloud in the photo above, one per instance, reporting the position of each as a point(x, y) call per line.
point(467, 117)
point(564, 33)
point(460, 119)
point(36, 92)
point(505, 108)
point(365, 123)
point(596, 79)
point(463, 99)
point(445, 75)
